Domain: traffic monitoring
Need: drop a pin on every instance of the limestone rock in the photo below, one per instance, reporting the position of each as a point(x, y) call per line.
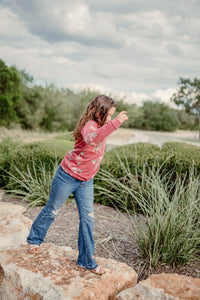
point(164, 286)
point(140, 292)
point(11, 209)
point(179, 286)
point(13, 230)
point(1, 194)
point(14, 227)
point(53, 274)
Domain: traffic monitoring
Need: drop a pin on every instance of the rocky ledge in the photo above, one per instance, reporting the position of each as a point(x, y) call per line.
point(164, 287)
point(53, 273)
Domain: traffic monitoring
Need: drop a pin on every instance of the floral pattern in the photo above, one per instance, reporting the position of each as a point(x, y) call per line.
point(84, 160)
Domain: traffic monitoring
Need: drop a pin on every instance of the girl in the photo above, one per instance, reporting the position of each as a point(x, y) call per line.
point(75, 175)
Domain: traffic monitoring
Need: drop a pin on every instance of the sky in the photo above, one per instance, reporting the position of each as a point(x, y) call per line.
point(135, 49)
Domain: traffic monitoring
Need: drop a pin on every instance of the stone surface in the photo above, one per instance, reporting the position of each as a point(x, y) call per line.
point(13, 230)
point(14, 227)
point(164, 286)
point(1, 194)
point(53, 274)
point(11, 209)
point(176, 285)
point(140, 292)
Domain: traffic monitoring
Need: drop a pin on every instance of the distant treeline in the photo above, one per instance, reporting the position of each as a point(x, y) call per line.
point(50, 108)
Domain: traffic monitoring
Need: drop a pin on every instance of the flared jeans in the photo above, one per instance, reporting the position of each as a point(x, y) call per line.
point(62, 186)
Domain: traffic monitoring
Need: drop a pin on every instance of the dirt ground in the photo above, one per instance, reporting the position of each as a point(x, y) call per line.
point(113, 235)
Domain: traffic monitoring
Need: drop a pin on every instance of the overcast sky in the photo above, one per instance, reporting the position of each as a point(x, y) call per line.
point(137, 48)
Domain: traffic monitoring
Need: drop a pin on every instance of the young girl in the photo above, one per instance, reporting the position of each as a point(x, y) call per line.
point(75, 175)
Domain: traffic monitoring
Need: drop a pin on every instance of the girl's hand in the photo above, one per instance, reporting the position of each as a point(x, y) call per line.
point(122, 116)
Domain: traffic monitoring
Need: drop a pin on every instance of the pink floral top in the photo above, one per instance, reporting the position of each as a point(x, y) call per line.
point(83, 161)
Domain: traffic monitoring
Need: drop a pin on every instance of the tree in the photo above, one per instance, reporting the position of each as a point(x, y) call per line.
point(9, 94)
point(135, 114)
point(159, 116)
point(188, 96)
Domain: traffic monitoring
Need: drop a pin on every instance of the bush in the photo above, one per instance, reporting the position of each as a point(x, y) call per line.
point(136, 155)
point(176, 158)
point(45, 152)
point(33, 188)
point(7, 147)
point(183, 157)
point(160, 117)
point(118, 160)
point(187, 120)
point(168, 232)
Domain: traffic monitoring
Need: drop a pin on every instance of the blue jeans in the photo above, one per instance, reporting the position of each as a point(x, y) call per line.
point(62, 186)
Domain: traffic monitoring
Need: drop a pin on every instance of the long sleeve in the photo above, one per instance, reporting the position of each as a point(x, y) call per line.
point(84, 160)
point(92, 134)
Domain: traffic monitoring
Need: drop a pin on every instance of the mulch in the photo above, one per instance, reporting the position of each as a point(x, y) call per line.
point(113, 235)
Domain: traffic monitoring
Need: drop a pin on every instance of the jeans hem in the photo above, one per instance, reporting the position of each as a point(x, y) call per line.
point(33, 243)
point(87, 268)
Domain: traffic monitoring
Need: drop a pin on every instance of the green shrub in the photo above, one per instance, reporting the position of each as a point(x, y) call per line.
point(7, 147)
point(176, 158)
point(182, 158)
point(159, 116)
point(136, 156)
point(34, 188)
point(116, 162)
point(45, 152)
point(168, 233)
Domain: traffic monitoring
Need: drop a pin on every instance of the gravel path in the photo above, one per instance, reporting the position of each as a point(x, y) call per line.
point(128, 136)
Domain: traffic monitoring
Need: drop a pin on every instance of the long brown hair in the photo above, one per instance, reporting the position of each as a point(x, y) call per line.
point(96, 110)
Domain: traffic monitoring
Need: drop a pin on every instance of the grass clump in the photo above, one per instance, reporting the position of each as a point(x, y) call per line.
point(7, 148)
point(42, 153)
point(33, 187)
point(174, 158)
point(170, 233)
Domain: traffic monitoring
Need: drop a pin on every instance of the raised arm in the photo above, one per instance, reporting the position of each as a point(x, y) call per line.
point(92, 134)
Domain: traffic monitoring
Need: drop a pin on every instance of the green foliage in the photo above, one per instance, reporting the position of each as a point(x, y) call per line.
point(57, 109)
point(26, 78)
point(9, 94)
point(7, 147)
point(76, 105)
point(168, 232)
point(188, 96)
point(171, 234)
point(136, 156)
point(176, 158)
point(50, 108)
point(33, 184)
point(45, 152)
point(30, 111)
point(187, 120)
point(158, 116)
point(132, 156)
point(183, 158)
point(135, 114)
